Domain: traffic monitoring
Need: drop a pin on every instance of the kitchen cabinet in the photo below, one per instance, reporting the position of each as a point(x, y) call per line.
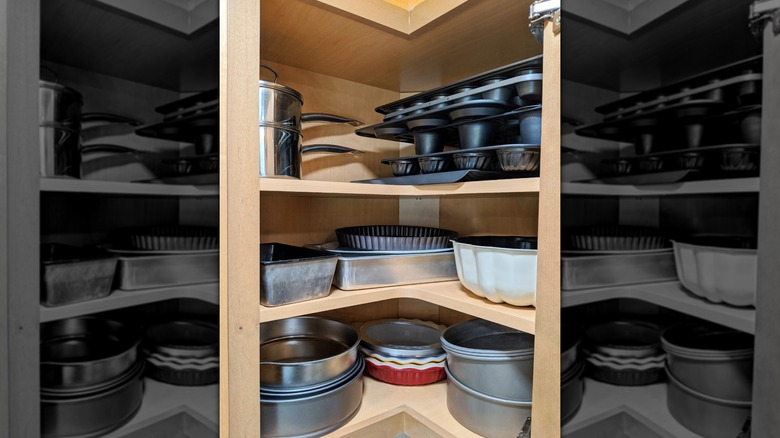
point(665, 52)
point(349, 66)
point(121, 64)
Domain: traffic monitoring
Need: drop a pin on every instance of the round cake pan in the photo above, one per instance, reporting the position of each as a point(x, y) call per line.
point(623, 339)
point(491, 359)
point(312, 414)
point(82, 352)
point(304, 351)
point(711, 360)
point(401, 338)
point(94, 414)
point(572, 390)
point(484, 415)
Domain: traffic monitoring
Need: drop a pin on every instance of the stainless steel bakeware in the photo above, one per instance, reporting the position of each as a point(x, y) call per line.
point(570, 344)
point(153, 271)
point(591, 271)
point(485, 415)
point(59, 118)
point(72, 275)
point(572, 390)
point(95, 413)
point(623, 339)
point(401, 338)
point(304, 351)
point(314, 413)
point(85, 352)
point(291, 274)
point(705, 415)
point(394, 237)
point(362, 272)
point(490, 358)
point(709, 359)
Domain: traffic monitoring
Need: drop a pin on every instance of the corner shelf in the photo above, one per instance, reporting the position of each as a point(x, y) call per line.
point(449, 294)
point(330, 188)
point(162, 398)
point(428, 400)
point(715, 186)
point(73, 185)
point(602, 400)
point(119, 299)
point(669, 294)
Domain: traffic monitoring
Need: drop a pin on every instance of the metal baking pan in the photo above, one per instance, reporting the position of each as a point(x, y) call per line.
point(71, 275)
point(291, 274)
point(152, 271)
point(583, 272)
point(363, 272)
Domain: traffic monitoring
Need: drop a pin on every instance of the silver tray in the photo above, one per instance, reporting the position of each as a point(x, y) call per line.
point(152, 271)
point(583, 272)
point(363, 272)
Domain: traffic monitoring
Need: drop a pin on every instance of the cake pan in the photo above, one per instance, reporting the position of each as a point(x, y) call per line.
point(153, 271)
point(362, 272)
point(292, 274)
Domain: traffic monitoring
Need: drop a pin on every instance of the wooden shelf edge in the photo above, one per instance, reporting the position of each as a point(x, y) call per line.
point(449, 294)
point(330, 188)
point(669, 294)
point(71, 185)
point(736, 185)
point(118, 299)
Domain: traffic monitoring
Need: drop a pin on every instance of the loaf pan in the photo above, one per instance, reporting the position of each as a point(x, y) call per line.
point(147, 272)
point(363, 272)
point(291, 274)
point(70, 274)
point(583, 272)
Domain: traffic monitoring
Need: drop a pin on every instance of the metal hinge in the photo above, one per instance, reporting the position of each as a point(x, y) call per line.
point(763, 11)
point(541, 10)
point(526, 431)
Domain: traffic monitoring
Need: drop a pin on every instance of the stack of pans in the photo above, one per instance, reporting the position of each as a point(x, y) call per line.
point(710, 372)
point(489, 377)
point(91, 376)
point(403, 352)
point(183, 352)
point(624, 353)
point(311, 376)
point(572, 368)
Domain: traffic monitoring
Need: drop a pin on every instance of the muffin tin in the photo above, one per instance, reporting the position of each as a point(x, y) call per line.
point(721, 161)
point(510, 159)
point(719, 106)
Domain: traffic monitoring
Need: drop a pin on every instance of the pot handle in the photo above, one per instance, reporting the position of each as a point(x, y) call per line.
point(323, 117)
point(330, 148)
point(109, 148)
point(276, 75)
point(107, 117)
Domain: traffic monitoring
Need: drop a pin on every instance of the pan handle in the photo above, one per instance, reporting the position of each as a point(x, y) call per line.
point(107, 117)
point(330, 148)
point(323, 117)
point(276, 75)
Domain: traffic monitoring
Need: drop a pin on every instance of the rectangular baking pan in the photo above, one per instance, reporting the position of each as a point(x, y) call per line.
point(153, 271)
point(363, 272)
point(584, 272)
point(71, 275)
point(291, 274)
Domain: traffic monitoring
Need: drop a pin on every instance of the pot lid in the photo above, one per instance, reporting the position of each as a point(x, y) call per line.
point(281, 88)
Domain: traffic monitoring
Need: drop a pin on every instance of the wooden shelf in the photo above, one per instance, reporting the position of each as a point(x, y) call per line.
point(428, 400)
point(162, 398)
point(717, 186)
point(449, 294)
point(329, 188)
point(602, 400)
point(669, 294)
point(72, 185)
point(119, 299)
